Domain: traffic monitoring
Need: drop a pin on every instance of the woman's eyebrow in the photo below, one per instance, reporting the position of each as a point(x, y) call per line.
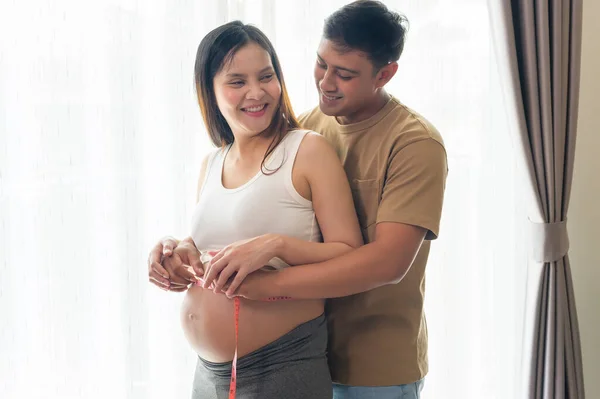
point(243, 75)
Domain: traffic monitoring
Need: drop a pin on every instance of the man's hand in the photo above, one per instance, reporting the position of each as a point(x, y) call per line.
point(257, 286)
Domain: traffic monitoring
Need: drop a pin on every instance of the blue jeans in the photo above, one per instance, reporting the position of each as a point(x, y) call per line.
point(407, 391)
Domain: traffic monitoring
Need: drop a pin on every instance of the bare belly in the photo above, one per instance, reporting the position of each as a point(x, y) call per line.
point(208, 322)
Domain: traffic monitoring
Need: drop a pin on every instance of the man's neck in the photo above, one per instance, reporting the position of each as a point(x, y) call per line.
point(371, 107)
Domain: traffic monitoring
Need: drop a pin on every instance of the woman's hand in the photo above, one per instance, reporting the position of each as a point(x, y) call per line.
point(240, 258)
point(157, 274)
point(183, 266)
point(179, 272)
point(190, 256)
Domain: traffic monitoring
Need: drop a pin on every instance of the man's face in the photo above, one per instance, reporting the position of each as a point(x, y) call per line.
point(345, 80)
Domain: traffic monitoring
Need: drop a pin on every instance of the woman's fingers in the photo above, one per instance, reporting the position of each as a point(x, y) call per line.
point(196, 263)
point(168, 245)
point(179, 288)
point(155, 278)
point(186, 274)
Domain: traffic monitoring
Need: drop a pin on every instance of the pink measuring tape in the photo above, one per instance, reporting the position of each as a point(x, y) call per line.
point(236, 317)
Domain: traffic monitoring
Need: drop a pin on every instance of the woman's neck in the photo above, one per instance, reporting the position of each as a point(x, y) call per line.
point(249, 148)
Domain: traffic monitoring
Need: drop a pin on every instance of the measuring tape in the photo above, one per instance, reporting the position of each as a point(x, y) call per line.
point(233, 381)
point(236, 316)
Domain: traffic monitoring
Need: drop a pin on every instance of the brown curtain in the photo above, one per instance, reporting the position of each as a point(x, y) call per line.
point(538, 43)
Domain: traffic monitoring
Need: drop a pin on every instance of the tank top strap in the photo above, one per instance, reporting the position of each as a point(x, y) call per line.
point(214, 167)
point(290, 147)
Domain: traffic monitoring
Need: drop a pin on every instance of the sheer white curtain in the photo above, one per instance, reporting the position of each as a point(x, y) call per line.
point(100, 144)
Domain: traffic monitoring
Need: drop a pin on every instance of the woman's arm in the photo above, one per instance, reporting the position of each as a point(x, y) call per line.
point(318, 176)
point(294, 251)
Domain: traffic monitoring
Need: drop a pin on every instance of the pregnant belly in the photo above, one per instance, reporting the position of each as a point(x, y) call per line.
point(208, 322)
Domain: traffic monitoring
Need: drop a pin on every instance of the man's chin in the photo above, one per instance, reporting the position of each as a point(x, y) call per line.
point(328, 109)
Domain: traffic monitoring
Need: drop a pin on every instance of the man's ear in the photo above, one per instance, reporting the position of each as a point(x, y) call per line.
point(386, 73)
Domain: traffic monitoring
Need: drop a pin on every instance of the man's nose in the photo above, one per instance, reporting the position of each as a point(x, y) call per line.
point(327, 84)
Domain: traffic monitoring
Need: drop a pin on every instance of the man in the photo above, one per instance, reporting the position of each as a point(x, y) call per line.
point(396, 163)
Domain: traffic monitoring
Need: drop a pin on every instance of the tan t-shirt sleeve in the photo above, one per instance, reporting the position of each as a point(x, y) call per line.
point(413, 190)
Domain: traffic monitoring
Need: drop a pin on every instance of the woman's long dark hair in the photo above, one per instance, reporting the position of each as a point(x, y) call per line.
point(216, 49)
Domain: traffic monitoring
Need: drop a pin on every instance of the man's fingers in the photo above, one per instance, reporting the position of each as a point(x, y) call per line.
point(239, 278)
point(224, 276)
point(213, 271)
point(216, 257)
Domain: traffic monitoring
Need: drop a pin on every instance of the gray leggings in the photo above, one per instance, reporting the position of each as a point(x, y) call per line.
point(292, 367)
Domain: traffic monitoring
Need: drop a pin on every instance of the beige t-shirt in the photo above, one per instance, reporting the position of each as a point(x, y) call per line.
point(396, 165)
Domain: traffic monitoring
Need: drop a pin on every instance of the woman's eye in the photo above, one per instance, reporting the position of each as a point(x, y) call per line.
point(267, 77)
point(237, 83)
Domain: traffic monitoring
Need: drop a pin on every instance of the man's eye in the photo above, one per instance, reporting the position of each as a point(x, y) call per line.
point(322, 66)
point(345, 77)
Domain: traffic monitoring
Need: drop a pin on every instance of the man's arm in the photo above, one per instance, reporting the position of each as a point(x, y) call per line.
point(383, 261)
point(408, 213)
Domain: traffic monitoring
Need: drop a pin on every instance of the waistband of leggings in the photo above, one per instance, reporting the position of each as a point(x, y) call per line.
point(292, 339)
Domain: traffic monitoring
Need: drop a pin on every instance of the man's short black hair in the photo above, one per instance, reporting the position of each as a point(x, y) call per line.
point(368, 26)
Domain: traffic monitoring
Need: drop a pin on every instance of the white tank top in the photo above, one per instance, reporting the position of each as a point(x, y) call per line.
point(267, 203)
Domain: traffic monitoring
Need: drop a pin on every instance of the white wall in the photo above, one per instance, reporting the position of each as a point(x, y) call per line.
point(584, 213)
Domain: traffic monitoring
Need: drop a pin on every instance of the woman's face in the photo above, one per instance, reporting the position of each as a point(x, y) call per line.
point(248, 91)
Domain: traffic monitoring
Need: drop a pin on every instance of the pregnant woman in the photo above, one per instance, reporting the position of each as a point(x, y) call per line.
point(278, 190)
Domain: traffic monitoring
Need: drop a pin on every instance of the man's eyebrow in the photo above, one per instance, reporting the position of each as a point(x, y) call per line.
point(339, 67)
point(243, 75)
